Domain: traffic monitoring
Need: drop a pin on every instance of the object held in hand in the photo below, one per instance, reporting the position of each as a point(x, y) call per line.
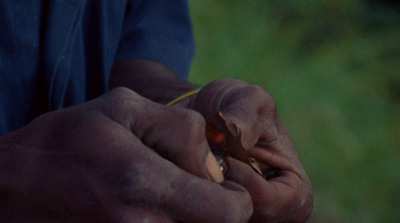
point(223, 145)
point(221, 162)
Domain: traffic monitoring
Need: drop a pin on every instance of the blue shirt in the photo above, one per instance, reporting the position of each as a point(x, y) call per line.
point(59, 53)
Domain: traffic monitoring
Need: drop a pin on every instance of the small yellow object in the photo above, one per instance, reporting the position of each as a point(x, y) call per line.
point(188, 94)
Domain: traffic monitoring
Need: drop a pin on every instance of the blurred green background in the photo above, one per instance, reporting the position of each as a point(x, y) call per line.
point(333, 67)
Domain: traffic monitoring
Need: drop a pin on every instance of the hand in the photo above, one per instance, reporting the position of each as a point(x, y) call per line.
point(246, 118)
point(118, 158)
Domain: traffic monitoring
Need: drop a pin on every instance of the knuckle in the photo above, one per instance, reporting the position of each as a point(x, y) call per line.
point(193, 122)
point(118, 102)
point(267, 97)
point(191, 133)
point(122, 94)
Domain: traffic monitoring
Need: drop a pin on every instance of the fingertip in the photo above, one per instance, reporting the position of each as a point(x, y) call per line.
point(242, 173)
point(213, 168)
point(235, 212)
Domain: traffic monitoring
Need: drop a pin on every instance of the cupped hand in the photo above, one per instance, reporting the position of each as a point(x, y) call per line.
point(118, 158)
point(242, 120)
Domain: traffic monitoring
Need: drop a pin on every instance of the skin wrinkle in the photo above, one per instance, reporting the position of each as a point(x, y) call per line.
point(274, 205)
point(268, 156)
point(143, 180)
point(271, 142)
point(270, 139)
point(184, 185)
point(185, 194)
point(137, 123)
point(135, 186)
point(117, 102)
point(191, 123)
point(246, 91)
point(128, 100)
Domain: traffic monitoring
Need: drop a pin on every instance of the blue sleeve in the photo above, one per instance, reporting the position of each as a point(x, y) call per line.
point(161, 31)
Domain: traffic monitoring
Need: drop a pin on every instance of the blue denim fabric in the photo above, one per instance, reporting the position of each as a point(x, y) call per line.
point(59, 53)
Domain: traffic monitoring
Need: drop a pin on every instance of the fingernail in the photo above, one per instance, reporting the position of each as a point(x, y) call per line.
point(213, 168)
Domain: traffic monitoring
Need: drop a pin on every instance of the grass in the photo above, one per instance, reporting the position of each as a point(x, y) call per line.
point(333, 67)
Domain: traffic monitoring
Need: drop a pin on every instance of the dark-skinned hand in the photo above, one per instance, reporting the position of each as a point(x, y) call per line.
point(243, 119)
point(123, 158)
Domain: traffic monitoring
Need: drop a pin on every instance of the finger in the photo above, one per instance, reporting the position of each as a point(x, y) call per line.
point(280, 199)
point(282, 153)
point(239, 105)
point(272, 200)
point(253, 110)
point(175, 133)
point(181, 139)
point(249, 117)
point(273, 158)
point(210, 202)
point(156, 183)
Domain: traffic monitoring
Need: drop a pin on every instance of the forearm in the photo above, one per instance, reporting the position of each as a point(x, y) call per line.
point(150, 79)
